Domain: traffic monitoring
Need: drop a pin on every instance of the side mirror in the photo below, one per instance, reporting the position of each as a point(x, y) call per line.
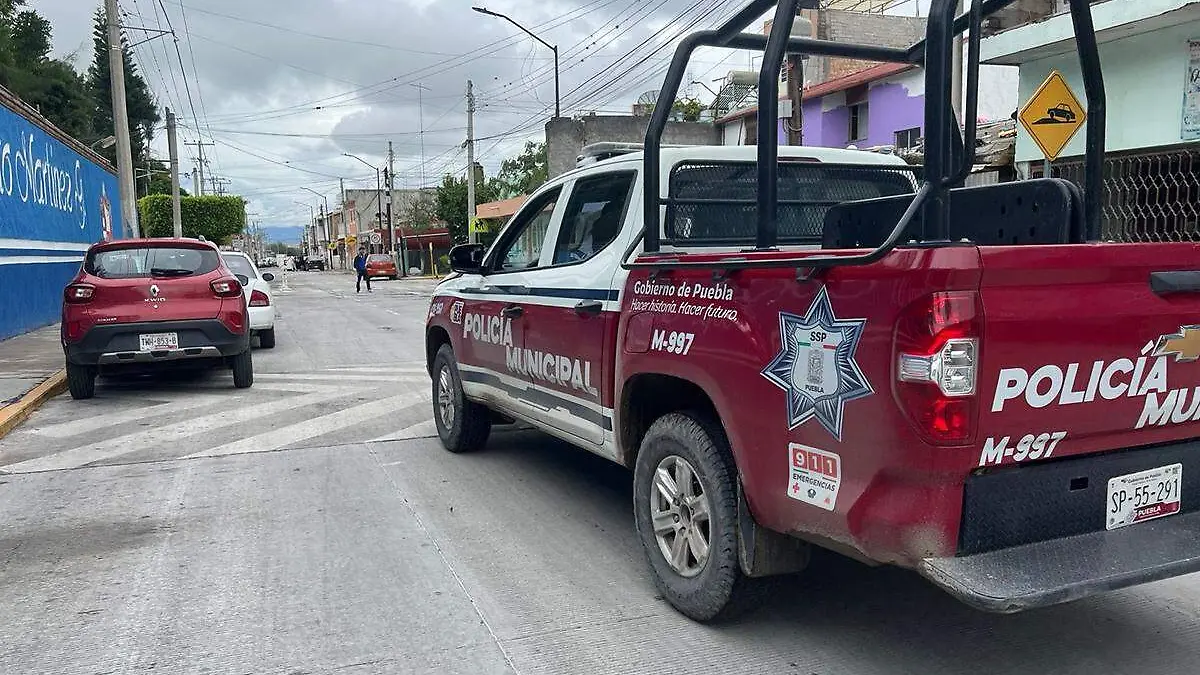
point(243, 279)
point(268, 277)
point(467, 258)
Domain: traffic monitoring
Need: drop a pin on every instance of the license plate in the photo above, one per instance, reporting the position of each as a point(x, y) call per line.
point(153, 342)
point(1145, 495)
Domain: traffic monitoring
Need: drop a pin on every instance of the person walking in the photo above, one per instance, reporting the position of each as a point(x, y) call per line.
point(360, 266)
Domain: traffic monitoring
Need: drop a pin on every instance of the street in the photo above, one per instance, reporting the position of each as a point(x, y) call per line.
point(314, 524)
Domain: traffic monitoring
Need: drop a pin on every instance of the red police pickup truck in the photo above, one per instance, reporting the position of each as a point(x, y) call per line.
point(796, 347)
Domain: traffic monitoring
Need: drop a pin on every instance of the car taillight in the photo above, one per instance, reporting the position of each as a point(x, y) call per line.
point(937, 347)
point(259, 299)
point(226, 288)
point(79, 293)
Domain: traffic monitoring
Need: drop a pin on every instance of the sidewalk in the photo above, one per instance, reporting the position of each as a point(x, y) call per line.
point(30, 374)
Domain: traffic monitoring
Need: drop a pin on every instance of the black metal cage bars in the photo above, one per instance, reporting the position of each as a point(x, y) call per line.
point(949, 155)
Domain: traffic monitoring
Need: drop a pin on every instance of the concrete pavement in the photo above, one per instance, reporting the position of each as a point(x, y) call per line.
point(347, 552)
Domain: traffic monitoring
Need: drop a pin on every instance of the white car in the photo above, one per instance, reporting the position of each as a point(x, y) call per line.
point(257, 288)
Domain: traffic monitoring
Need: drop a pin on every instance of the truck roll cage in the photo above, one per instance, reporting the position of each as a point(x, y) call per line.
point(949, 156)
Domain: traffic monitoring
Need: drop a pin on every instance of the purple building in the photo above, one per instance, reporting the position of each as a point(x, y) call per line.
point(881, 105)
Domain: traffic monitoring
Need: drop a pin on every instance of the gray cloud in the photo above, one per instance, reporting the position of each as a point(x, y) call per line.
point(284, 104)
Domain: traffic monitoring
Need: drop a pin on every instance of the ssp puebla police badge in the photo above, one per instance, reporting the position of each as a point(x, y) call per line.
point(815, 366)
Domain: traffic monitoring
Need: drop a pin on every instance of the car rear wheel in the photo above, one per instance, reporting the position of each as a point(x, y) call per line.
point(685, 507)
point(243, 370)
point(463, 426)
point(266, 338)
point(81, 381)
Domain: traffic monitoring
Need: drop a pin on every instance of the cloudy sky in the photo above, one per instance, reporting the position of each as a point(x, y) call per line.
point(285, 87)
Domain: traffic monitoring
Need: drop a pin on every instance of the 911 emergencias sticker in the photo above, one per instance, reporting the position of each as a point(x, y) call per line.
point(814, 476)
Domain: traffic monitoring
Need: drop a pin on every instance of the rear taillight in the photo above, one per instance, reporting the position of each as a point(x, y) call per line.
point(226, 288)
point(937, 347)
point(79, 293)
point(259, 299)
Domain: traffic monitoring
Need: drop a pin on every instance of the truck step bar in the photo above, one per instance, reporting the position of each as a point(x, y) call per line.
point(1061, 570)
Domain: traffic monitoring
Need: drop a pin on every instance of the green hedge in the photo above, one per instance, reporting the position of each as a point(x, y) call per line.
point(215, 218)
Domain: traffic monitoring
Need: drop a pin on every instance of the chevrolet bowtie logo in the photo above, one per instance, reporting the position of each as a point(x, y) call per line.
point(1184, 345)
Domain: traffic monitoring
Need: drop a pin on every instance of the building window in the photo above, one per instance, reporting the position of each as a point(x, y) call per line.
point(858, 122)
point(907, 139)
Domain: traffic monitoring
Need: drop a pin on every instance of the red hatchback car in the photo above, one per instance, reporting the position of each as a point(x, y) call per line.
point(153, 302)
point(381, 265)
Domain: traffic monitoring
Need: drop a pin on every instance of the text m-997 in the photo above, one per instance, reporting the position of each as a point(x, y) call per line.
point(673, 342)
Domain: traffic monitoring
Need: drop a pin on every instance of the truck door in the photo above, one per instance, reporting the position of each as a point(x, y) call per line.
point(571, 312)
point(493, 313)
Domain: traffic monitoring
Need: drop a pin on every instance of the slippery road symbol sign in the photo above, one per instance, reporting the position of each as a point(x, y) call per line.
point(1053, 115)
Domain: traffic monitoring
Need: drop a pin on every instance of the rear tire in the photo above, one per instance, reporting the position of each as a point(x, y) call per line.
point(81, 381)
point(266, 338)
point(463, 426)
point(243, 370)
point(695, 455)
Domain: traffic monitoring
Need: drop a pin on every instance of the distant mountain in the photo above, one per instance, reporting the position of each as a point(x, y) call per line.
point(284, 235)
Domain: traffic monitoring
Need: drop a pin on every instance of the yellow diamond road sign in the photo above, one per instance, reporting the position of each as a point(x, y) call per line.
point(1052, 115)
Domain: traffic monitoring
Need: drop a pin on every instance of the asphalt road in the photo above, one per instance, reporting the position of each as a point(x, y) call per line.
point(314, 525)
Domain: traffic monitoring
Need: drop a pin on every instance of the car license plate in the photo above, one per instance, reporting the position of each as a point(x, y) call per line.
point(1145, 495)
point(153, 342)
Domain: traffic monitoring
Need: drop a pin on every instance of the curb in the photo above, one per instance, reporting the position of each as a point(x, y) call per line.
point(12, 415)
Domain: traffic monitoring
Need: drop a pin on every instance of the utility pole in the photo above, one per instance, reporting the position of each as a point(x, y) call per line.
point(200, 164)
point(116, 69)
point(471, 236)
point(421, 126)
point(173, 149)
point(795, 85)
point(397, 233)
point(218, 184)
point(195, 177)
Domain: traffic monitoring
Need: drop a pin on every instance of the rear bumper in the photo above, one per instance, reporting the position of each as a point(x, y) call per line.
point(376, 273)
point(115, 344)
point(262, 318)
point(1035, 535)
point(1060, 570)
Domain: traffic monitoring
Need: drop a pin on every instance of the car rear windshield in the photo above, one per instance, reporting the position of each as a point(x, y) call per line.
point(240, 265)
point(146, 261)
point(379, 258)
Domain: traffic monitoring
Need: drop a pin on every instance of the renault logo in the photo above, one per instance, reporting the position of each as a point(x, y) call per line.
point(154, 290)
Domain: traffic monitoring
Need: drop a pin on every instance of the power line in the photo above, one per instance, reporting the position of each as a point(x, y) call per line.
point(195, 71)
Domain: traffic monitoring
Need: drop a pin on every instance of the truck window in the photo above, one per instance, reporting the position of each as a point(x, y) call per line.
point(593, 217)
point(522, 244)
point(806, 192)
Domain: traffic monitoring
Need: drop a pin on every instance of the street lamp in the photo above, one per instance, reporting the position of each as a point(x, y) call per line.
point(378, 196)
point(557, 106)
point(106, 142)
point(324, 221)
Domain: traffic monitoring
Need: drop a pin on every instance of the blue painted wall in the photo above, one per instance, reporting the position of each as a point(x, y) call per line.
point(54, 203)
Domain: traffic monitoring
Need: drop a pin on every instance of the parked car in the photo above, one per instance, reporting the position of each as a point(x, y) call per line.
point(256, 287)
point(153, 303)
point(314, 262)
point(381, 265)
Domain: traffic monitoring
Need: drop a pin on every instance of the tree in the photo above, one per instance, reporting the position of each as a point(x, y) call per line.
point(30, 38)
point(50, 85)
point(688, 109)
point(139, 102)
point(451, 203)
point(159, 182)
point(421, 211)
point(216, 218)
point(524, 173)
